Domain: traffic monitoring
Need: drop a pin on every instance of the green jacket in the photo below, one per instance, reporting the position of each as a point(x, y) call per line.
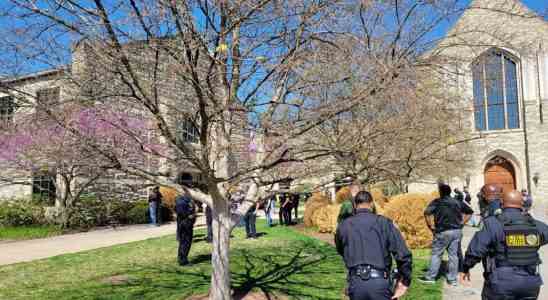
point(346, 211)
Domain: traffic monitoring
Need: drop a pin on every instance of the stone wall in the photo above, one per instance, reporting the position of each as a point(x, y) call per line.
point(523, 34)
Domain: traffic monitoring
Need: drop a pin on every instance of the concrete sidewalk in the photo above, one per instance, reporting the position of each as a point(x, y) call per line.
point(473, 291)
point(24, 251)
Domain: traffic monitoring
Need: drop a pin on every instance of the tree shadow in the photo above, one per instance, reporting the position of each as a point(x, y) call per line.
point(296, 276)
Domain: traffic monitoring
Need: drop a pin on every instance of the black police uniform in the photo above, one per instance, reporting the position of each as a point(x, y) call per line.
point(367, 243)
point(209, 221)
point(185, 210)
point(509, 243)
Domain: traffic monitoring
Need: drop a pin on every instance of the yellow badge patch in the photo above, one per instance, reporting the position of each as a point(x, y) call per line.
point(516, 240)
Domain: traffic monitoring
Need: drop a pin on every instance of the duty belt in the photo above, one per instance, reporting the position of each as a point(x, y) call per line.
point(367, 272)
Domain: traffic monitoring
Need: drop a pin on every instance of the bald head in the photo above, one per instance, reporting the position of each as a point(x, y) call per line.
point(492, 192)
point(512, 199)
point(355, 188)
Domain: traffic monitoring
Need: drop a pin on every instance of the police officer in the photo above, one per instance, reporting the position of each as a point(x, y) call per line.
point(209, 224)
point(367, 242)
point(186, 216)
point(510, 242)
point(492, 203)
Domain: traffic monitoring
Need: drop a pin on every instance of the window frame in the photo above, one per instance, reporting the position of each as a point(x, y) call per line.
point(482, 62)
point(187, 131)
point(48, 194)
point(7, 116)
point(42, 99)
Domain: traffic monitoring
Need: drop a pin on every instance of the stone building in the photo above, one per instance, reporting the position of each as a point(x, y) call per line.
point(499, 54)
point(93, 75)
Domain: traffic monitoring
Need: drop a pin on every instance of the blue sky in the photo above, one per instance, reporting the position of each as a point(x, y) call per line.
point(540, 6)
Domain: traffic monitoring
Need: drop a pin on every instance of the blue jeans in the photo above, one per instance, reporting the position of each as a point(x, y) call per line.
point(249, 219)
point(153, 209)
point(447, 240)
point(268, 212)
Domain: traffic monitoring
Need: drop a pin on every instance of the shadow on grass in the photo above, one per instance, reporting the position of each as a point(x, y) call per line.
point(298, 268)
point(294, 272)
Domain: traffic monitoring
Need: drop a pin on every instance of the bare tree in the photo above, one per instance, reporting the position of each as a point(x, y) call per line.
point(208, 75)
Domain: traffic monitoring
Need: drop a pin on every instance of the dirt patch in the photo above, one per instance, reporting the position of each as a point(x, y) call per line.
point(248, 296)
point(326, 237)
point(118, 280)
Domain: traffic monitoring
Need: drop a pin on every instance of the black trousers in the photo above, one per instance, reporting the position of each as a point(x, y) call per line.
point(372, 289)
point(185, 234)
point(250, 220)
point(281, 215)
point(511, 283)
point(209, 222)
point(287, 216)
point(489, 294)
point(296, 208)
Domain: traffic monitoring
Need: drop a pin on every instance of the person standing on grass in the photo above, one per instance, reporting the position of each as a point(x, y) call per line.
point(286, 214)
point(295, 203)
point(347, 208)
point(154, 203)
point(186, 217)
point(368, 243)
point(269, 209)
point(250, 220)
point(449, 216)
point(209, 221)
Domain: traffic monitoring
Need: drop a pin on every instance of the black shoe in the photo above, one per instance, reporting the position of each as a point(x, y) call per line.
point(184, 263)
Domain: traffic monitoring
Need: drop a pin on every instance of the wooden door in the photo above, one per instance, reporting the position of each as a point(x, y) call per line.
point(499, 171)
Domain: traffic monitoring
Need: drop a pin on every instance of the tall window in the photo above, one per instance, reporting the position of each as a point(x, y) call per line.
point(495, 92)
point(47, 99)
point(7, 109)
point(187, 131)
point(43, 186)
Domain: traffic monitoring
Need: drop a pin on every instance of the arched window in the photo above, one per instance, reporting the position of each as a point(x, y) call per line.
point(495, 92)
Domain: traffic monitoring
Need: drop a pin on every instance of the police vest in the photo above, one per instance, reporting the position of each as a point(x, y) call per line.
point(522, 241)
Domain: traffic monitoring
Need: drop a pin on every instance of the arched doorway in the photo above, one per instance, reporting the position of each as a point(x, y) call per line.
point(501, 172)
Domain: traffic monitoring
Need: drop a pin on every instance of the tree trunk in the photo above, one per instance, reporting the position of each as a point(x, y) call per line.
point(220, 277)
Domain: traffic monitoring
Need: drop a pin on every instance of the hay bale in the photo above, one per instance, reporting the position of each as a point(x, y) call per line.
point(406, 210)
point(379, 198)
point(168, 197)
point(342, 195)
point(326, 218)
point(317, 200)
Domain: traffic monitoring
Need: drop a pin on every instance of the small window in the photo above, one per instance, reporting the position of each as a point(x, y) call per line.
point(43, 186)
point(187, 131)
point(46, 99)
point(7, 110)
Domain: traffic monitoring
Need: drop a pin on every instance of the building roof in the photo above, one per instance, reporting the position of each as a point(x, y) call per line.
point(32, 76)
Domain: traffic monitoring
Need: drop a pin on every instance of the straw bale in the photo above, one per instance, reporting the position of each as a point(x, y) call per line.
point(317, 200)
point(406, 210)
point(168, 196)
point(342, 195)
point(325, 218)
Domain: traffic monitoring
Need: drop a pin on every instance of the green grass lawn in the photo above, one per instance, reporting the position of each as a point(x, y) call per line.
point(28, 232)
point(282, 261)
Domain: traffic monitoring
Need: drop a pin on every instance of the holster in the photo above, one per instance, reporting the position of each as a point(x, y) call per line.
point(393, 280)
point(367, 272)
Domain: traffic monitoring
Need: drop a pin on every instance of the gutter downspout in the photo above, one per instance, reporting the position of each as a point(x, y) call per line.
point(525, 137)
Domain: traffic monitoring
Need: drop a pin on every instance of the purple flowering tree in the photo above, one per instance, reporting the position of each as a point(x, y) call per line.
point(81, 147)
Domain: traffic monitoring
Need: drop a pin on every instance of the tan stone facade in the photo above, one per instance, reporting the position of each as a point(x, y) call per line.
point(510, 28)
